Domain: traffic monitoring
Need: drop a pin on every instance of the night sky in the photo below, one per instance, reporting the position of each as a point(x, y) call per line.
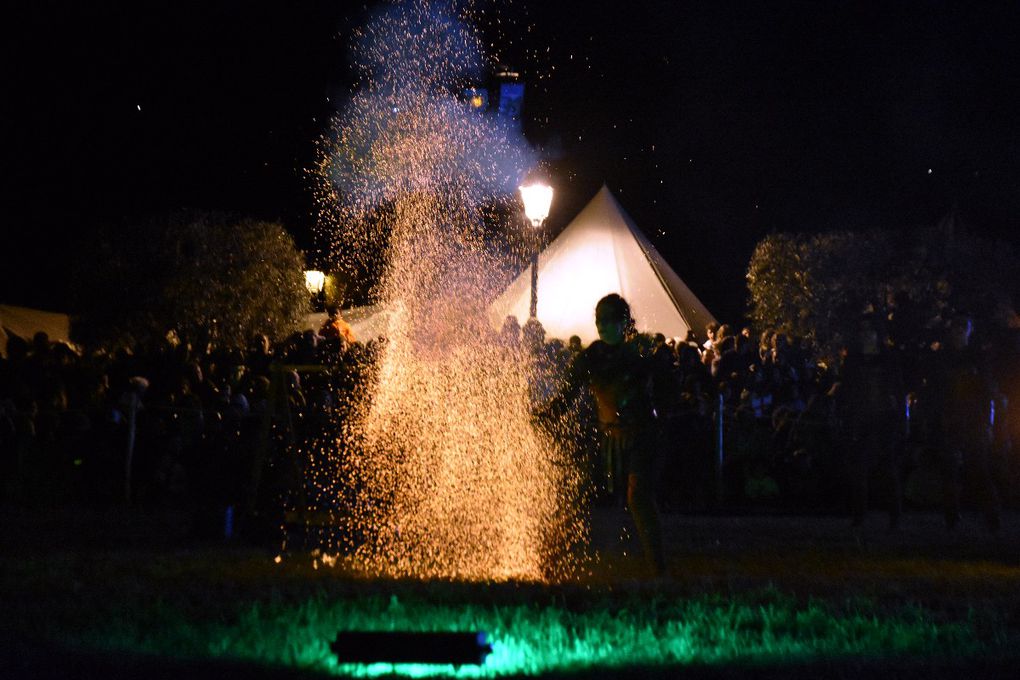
point(715, 123)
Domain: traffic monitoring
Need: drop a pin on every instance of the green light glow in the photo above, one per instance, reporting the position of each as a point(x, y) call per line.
point(603, 631)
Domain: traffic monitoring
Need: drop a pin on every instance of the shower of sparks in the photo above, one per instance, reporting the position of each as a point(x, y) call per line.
point(442, 472)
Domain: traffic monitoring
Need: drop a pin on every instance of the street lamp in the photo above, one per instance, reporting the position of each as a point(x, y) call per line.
point(537, 199)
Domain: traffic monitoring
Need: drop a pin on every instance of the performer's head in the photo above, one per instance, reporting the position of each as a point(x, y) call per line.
point(612, 317)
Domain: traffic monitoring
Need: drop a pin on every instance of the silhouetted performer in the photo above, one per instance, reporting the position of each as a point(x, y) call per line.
point(621, 381)
point(871, 409)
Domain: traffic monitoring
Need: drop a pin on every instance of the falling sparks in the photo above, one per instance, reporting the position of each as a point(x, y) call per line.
point(451, 479)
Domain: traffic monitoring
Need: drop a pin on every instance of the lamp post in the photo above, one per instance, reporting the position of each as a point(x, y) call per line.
point(537, 198)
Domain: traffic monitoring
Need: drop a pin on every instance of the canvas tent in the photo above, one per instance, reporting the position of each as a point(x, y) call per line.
point(602, 251)
point(25, 322)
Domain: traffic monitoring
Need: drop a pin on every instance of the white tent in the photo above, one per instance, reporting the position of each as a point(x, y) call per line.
point(25, 323)
point(602, 251)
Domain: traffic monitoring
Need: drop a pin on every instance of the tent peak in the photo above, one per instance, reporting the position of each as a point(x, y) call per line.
point(605, 196)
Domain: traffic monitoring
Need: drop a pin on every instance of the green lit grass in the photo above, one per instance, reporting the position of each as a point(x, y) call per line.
point(286, 616)
point(782, 595)
point(532, 639)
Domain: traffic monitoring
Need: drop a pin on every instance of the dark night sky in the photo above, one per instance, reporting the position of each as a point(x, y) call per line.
point(715, 122)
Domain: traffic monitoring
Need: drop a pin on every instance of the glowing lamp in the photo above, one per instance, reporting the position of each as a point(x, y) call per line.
point(456, 649)
point(537, 199)
point(315, 281)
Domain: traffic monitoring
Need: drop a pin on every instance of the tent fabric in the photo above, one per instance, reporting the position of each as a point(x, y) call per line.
point(25, 322)
point(602, 251)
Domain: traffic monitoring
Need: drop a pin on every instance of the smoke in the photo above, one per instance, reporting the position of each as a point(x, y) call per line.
point(405, 131)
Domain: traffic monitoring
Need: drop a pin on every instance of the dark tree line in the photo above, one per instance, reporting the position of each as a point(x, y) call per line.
point(819, 286)
point(207, 278)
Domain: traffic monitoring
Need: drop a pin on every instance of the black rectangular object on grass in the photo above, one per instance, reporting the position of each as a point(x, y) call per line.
point(411, 647)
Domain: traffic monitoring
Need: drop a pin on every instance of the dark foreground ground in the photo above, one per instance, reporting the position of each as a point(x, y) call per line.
point(64, 575)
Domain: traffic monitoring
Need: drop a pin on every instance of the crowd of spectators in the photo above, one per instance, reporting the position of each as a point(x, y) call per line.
point(746, 419)
point(753, 419)
point(168, 425)
point(769, 391)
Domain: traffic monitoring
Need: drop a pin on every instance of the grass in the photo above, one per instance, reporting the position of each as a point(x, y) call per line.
point(286, 617)
point(788, 604)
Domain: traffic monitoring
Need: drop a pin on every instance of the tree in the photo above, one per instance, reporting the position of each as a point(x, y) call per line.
point(814, 286)
point(211, 278)
point(819, 286)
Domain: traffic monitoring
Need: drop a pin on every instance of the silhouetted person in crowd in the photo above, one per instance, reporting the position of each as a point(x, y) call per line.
point(724, 331)
point(870, 406)
point(305, 351)
point(710, 332)
point(9, 464)
point(726, 361)
point(260, 355)
point(336, 327)
point(15, 371)
point(959, 395)
point(1006, 427)
point(533, 335)
point(129, 405)
point(621, 380)
point(510, 333)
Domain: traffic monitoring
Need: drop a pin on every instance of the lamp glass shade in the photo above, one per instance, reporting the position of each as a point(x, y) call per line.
point(537, 199)
point(315, 281)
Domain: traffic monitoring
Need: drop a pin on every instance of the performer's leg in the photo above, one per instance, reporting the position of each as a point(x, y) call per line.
point(646, 519)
